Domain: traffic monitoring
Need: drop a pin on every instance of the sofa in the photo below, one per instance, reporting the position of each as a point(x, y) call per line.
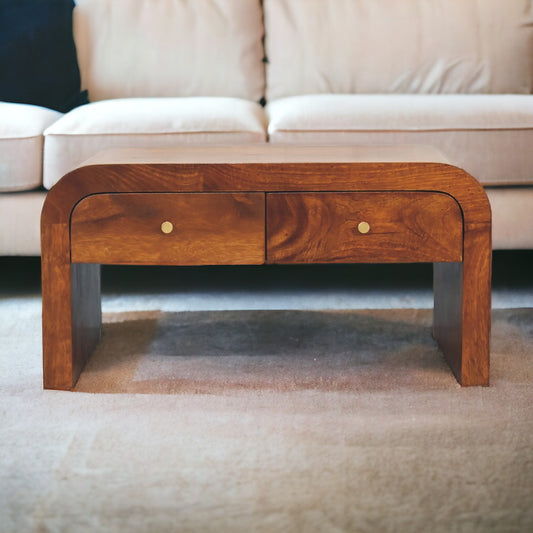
point(454, 74)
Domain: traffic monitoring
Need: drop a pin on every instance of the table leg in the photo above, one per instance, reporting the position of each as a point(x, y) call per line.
point(461, 320)
point(71, 315)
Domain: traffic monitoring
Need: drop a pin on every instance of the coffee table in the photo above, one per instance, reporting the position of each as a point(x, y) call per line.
point(271, 204)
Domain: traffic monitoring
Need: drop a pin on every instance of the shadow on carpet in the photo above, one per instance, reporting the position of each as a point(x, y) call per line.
point(218, 352)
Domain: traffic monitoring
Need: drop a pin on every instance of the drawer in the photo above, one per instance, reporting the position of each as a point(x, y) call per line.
point(169, 228)
point(366, 227)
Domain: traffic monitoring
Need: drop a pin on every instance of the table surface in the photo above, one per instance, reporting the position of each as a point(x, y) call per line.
point(270, 153)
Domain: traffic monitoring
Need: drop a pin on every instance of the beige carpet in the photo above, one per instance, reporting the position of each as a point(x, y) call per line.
point(246, 421)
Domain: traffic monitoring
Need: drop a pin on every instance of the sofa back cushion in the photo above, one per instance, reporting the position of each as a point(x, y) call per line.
point(137, 48)
point(398, 46)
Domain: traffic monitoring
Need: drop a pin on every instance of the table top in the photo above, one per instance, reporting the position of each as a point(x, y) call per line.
point(268, 168)
point(269, 153)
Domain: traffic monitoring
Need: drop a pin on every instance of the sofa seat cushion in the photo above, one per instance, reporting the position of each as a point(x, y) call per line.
point(490, 136)
point(148, 123)
point(512, 217)
point(20, 215)
point(21, 145)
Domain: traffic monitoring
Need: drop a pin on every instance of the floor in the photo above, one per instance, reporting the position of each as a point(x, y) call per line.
point(277, 287)
point(348, 424)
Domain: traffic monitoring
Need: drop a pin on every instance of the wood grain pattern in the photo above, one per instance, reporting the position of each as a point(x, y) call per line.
point(268, 154)
point(71, 310)
point(208, 229)
point(461, 316)
point(323, 228)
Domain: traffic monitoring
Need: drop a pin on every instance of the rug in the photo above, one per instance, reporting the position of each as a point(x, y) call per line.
point(267, 421)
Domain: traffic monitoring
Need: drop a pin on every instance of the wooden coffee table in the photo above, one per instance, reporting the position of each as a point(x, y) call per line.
point(266, 204)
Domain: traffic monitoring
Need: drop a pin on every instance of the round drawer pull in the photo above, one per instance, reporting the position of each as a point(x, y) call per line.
point(167, 227)
point(363, 227)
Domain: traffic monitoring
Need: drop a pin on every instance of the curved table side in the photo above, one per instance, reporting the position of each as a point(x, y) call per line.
point(71, 292)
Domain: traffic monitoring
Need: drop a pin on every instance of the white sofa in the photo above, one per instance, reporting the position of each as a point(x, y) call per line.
point(455, 74)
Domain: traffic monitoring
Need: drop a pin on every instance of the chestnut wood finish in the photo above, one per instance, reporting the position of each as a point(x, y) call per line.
point(324, 228)
point(71, 311)
point(461, 315)
point(410, 194)
point(207, 229)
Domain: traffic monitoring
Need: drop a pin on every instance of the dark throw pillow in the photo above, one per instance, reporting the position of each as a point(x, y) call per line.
point(38, 62)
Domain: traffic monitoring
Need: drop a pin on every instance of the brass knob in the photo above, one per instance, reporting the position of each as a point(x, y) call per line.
point(363, 227)
point(167, 227)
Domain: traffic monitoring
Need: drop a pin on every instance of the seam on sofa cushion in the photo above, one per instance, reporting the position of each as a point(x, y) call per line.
point(357, 130)
point(25, 137)
point(203, 132)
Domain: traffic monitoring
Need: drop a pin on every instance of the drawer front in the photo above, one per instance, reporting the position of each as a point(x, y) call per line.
point(169, 228)
point(373, 227)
